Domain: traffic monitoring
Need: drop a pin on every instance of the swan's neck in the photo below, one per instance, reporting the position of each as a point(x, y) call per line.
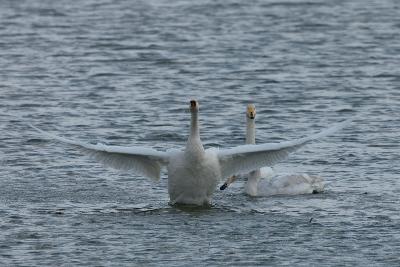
point(254, 176)
point(251, 186)
point(194, 146)
point(250, 131)
point(194, 126)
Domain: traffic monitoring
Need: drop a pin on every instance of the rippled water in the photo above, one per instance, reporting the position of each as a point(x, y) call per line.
point(122, 72)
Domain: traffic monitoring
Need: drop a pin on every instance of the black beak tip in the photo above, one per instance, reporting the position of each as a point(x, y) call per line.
point(224, 186)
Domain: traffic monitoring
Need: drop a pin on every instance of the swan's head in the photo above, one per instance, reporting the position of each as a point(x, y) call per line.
point(251, 111)
point(194, 106)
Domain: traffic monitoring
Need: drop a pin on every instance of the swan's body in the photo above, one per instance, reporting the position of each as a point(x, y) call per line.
point(192, 180)
point(193, 172)
point(264, 182)
point(289, 184)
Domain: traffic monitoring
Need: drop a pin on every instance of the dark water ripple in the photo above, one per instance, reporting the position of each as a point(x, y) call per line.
point(122, 72)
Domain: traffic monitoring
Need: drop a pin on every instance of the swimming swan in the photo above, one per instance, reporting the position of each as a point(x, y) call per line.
point(263, 182)
point(193, 172)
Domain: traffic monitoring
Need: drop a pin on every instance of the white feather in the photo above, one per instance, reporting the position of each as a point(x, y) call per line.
point(142, 160)
point(245, 158)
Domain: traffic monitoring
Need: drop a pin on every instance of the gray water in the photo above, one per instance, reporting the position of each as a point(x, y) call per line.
point(122, 72)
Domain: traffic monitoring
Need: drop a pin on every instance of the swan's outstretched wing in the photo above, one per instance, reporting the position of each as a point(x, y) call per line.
point(243, 159)
point(142, 160)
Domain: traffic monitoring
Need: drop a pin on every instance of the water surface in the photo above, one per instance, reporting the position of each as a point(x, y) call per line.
point(122, 72)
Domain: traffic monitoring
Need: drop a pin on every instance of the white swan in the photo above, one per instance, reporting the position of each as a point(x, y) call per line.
point(254, 176)
point(263, 182)
point(193, 172)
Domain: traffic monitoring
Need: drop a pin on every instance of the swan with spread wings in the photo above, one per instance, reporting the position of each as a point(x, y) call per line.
point(193, 172)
